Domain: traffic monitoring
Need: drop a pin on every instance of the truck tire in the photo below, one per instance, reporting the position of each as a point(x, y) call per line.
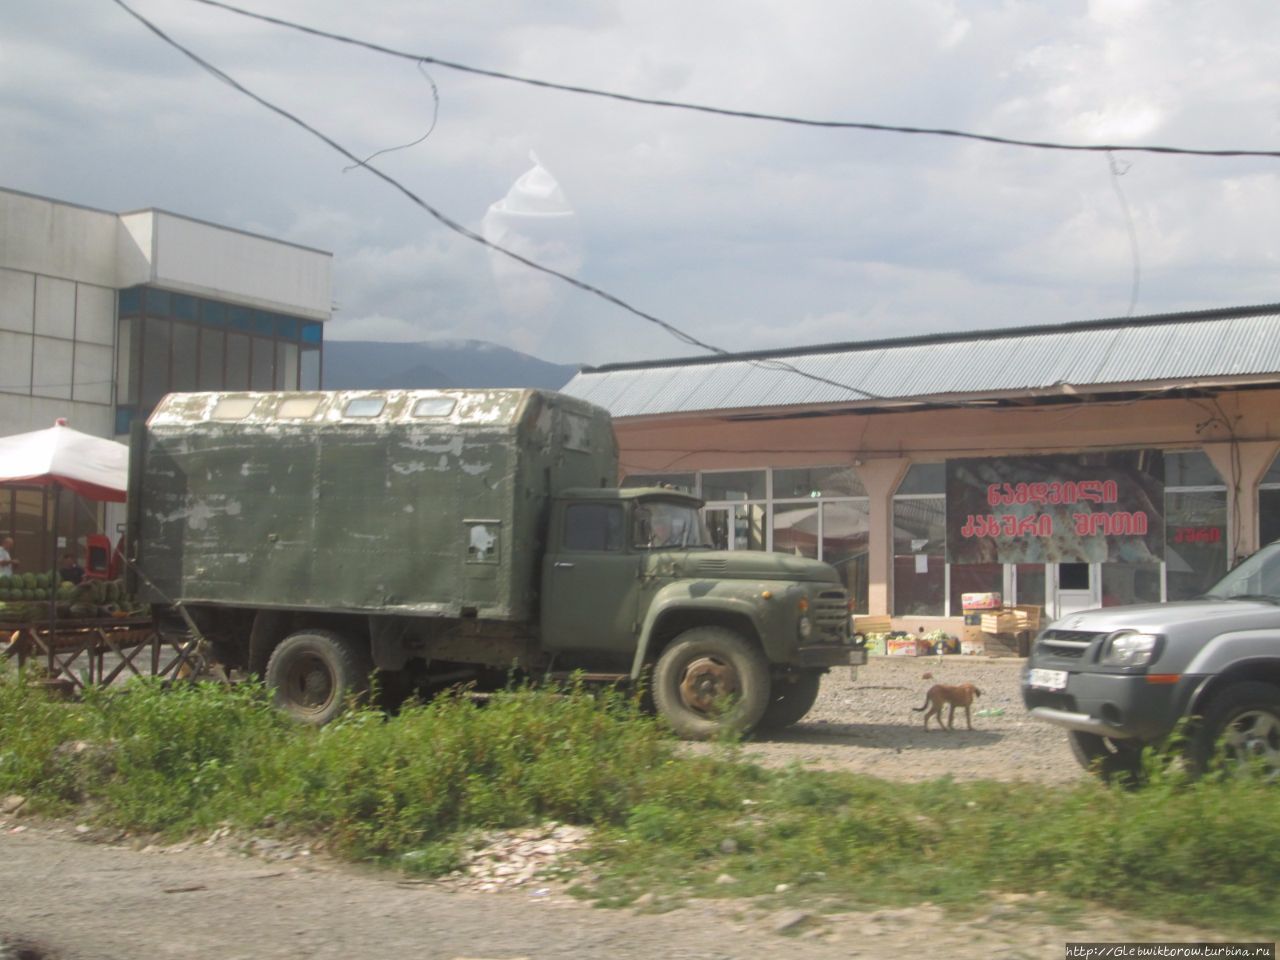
point(313, 673)
point(790, 699)
point(1114, 761)
point(710, 680)
point(1241, 727)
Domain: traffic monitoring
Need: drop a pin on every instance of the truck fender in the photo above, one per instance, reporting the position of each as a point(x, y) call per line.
point(737, 607)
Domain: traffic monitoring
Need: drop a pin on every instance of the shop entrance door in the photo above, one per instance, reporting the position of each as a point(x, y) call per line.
point(738, 526)
point(1077, 586)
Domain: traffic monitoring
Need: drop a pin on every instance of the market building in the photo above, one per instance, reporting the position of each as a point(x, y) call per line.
point(1071, 466)
point(102, 314)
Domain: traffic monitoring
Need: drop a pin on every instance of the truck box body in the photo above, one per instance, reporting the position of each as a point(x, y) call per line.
point(402, 501)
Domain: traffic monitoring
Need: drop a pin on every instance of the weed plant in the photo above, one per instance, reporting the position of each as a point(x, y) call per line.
point(410, 788)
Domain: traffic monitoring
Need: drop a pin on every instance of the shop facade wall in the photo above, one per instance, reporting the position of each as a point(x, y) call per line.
point(1239, 432)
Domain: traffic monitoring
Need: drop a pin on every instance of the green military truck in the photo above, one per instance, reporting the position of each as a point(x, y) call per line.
point(450, 536)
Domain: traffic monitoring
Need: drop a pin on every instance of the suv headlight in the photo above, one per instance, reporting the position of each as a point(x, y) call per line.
point(1130, 649)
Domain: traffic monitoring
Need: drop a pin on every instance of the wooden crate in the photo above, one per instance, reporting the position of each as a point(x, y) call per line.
point(869, 625)
point(1003, 621)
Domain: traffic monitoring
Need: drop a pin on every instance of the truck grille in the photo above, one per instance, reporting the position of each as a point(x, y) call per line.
point(830, 612)
point(1068, 644)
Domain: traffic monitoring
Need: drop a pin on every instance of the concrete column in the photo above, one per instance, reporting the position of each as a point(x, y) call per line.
point(1254, 459)
point(881, 478)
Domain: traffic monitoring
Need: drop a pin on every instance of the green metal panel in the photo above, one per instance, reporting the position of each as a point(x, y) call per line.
point(288, 499)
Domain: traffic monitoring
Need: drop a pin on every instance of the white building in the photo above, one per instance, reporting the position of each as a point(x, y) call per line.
point(101, 314)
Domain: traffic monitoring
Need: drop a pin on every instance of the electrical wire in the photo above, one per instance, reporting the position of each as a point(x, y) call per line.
point(740, 114)
point(435, 116)
point(471, 234)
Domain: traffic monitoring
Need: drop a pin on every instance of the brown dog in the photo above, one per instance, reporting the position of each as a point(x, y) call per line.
point(940, 694)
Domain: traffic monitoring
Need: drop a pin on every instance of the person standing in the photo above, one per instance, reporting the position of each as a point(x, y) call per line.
point(7, 564)
point(70, 571)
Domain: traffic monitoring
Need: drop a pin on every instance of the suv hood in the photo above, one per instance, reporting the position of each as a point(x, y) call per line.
point(1179, 616)
point(741, 565)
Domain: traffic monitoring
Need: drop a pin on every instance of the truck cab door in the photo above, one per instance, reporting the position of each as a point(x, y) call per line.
point(590, 583)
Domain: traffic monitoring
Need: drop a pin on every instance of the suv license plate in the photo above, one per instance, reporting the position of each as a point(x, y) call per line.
point(1048, 679)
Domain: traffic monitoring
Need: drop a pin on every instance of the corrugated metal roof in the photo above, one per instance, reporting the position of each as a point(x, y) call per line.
point(1239, 342)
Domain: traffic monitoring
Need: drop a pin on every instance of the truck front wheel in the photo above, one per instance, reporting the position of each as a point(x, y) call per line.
point(313, 673)
point(711, 680)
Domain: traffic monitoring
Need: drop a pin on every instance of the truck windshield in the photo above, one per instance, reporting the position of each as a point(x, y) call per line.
point(1258, 576)
point(660, 524)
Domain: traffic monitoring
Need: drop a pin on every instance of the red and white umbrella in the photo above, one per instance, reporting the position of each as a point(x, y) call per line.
point(93, 467)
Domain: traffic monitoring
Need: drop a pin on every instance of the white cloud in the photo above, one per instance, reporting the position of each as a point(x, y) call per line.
point(746, 234)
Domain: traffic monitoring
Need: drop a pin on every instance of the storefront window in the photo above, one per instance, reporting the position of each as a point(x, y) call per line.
point(817, 482)
point(684, 482)
point(920, 543)
point(737, 526)
point(185, 356)
point(1029, 584)
point(1124, 583)
point(1269, 505)
point(155, 361)
point(736, 485)
point(1195, 508)
point(174, 342)
point(309, 369)
point(846, 537)
point(795, 528)
point(211, 342)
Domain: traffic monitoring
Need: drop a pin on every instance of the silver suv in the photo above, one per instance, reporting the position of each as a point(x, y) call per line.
point(1121, 678)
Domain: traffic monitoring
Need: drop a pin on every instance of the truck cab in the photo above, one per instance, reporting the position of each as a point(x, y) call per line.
point(631, 582)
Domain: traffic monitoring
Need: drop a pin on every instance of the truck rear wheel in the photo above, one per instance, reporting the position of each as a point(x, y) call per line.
point(711, 680)
point(790, 699)
point(313, 673)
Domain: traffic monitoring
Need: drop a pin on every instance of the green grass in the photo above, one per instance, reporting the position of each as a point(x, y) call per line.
point(408, 789)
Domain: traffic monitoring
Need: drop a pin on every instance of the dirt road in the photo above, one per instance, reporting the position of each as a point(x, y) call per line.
point(90, 901)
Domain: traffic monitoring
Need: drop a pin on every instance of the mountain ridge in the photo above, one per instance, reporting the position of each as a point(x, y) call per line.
point(426, 364)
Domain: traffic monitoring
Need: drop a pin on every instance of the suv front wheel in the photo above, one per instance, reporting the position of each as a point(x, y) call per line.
point(1241, 728)
point(1115, 761)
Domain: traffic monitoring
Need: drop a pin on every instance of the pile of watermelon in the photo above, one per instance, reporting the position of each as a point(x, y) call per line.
point(25, 597)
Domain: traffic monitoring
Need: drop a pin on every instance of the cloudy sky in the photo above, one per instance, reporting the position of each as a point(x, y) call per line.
point(744, 234)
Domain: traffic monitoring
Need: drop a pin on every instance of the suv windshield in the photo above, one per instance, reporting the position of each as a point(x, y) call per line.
point(660, 524)
point(1258, 576)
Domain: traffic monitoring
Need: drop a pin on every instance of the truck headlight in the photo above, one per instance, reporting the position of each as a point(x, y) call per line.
point(805, 627)
point(1130, 649)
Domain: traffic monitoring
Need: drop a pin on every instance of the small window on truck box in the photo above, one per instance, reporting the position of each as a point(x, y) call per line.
point(365, 406)
point(484, 540)
point(233, 408)
point(434, 407)
point(298, 408)
point(577, 432)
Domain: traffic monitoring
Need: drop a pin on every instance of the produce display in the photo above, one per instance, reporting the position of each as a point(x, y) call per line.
point(24, 597)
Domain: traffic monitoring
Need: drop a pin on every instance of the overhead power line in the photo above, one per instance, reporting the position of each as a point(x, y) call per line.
point(740, 114)
point(471, 234)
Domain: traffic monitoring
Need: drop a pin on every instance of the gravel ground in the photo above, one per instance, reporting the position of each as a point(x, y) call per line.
point(867, 725)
